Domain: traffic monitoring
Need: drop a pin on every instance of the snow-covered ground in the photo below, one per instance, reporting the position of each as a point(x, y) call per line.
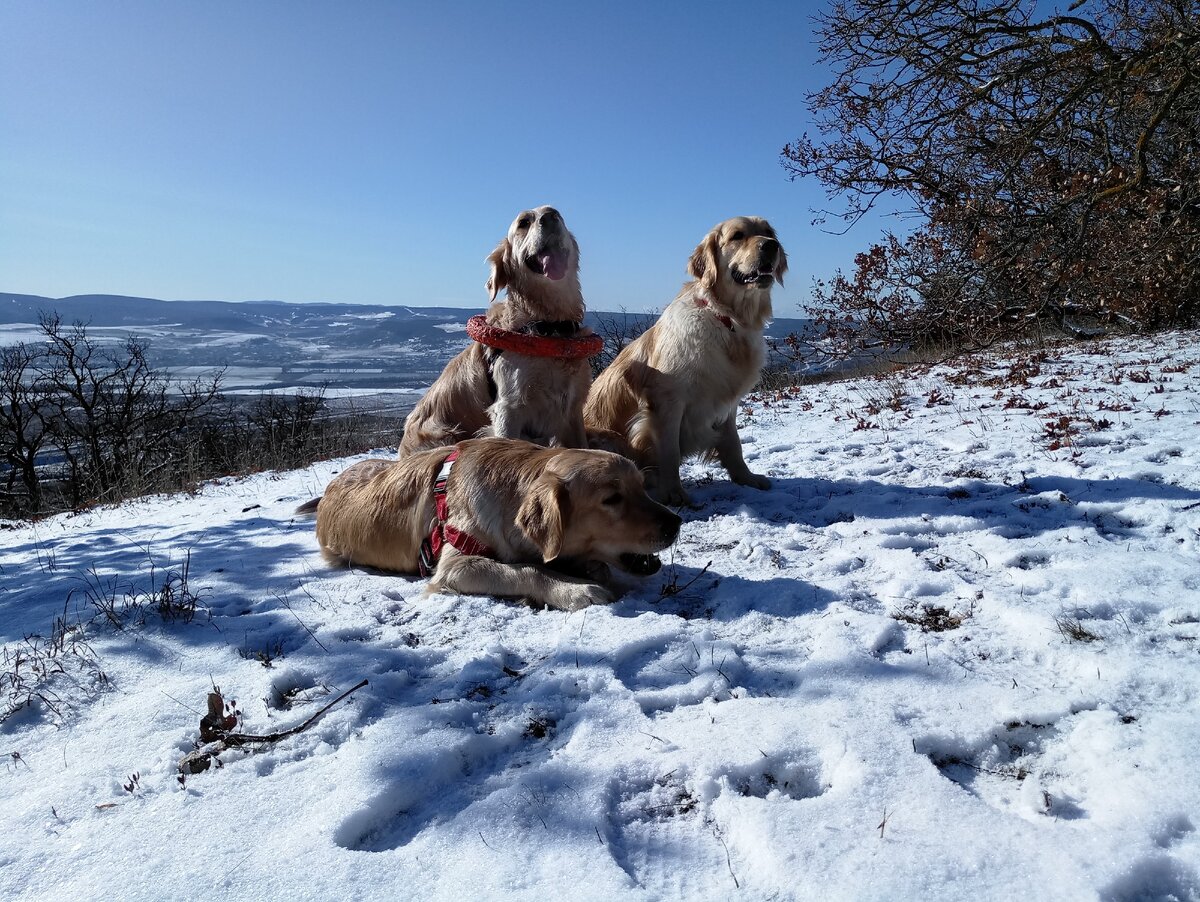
point(951, 654)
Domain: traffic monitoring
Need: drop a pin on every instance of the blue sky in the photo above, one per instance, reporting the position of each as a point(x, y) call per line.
point(376, 152)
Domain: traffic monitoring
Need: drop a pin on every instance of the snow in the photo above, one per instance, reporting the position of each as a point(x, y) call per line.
point(15, 333)
point(752, 722)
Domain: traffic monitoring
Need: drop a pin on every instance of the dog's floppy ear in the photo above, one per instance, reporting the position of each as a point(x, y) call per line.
point(543, 515)
point(704, 264)
point(500, 260)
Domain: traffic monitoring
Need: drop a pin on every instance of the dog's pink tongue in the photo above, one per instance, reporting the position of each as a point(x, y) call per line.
point(554, 266)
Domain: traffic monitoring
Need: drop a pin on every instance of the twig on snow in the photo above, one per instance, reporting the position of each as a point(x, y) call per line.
point(201, 759)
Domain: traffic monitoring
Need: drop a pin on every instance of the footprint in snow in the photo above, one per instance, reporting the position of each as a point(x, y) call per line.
point(1172, 830)
point(1009, 771)
point(680, 673)
point(436, 787)
point(660, 833)
point(656, 833)
point(1161, 457)
point(775, 777)
point(1154, 877)
point(353, 634)
point(1029, 560)
point(912, 543)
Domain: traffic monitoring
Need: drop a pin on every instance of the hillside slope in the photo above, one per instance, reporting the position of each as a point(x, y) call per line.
point(951, 653)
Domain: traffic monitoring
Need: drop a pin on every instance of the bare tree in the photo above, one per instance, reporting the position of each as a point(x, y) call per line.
point(283, 425)
point(82, 421)
point(617, 330)
point(1051, 159)
point(112, 416)
point(23, 428)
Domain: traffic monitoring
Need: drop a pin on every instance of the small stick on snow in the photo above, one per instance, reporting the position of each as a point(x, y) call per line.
point(199, 760)
point(728, 860)
point(239, 738)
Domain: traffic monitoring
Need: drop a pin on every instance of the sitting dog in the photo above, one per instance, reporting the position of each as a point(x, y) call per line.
point(509, 394)
point(673, 392)
point(490, 520)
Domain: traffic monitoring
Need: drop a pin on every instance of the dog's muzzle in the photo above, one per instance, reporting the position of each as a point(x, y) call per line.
point(763, 273)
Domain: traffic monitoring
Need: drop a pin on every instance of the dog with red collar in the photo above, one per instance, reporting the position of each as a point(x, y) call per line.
point(673, 392)
point(498, 517)
point(526, 374)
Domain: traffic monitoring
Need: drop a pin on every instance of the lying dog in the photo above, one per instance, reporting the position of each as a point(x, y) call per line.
point(509, 394)
point(508, 509)
point(673, 392)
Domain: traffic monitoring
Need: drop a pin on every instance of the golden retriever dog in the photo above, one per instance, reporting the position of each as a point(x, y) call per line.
point(502, 393)
point(674, 391)
point(575, 510)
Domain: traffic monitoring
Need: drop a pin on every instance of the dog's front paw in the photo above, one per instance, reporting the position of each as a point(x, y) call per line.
point(753, 480)
point(672, 496)
point(580, 595)
point(597, 572)
point(589, 570)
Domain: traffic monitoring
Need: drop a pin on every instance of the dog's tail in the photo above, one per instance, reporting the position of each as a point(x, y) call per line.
point(308, 508)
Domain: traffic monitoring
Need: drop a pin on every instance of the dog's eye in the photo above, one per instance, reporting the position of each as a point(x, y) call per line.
point(614, 498)
point(737, 236)
point(523, 222)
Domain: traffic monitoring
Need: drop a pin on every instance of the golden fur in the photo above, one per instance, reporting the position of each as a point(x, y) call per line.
point(579, 509)
point(537, 398)
point(673, 392)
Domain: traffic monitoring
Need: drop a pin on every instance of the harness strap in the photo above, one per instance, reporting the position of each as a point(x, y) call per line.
point(443, 533)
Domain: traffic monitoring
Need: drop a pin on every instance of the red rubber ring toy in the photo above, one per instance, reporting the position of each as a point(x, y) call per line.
point(533, 345)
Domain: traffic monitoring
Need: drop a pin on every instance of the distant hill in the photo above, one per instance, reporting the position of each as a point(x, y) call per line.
point(112, 311)
point(276, 344)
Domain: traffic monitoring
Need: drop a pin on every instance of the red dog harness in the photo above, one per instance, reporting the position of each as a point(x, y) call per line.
point(443, 533)
point(571, 347)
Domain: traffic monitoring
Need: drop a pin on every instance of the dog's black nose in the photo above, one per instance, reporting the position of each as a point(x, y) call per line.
point(768, 250)
point(670, 526)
